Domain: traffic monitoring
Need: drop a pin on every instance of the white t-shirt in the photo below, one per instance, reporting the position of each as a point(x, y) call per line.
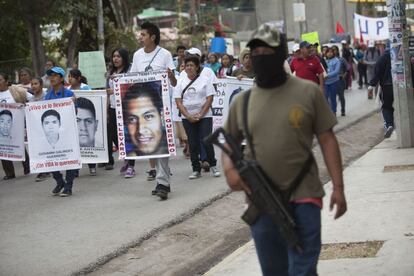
point(196, 94)
point(206, 72)
point(160, 57)
point(6, 97)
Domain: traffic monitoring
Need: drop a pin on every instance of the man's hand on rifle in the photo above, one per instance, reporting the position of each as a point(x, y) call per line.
point(232, 176)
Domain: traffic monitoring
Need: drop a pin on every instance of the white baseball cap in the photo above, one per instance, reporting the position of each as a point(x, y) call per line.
point(193, 51)
point(295, 47)
point(343, 41)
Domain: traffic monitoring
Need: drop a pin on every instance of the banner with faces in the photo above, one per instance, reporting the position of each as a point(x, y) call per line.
point(52, 134)
point(12, 132)
point(144, 117)
point(91, 119)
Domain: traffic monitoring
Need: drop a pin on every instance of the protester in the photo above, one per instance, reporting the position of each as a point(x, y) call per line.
point(213, 63)
point(308, 67)
point(77, 81)
point(153, 57)
point(362, 67)
point(314, 51)
point(25, 78)
point(294, 111)
point(48, 65)
point(38, 95)
point(58, 91)
point(37, 90)
point(227, 66)
point(383, 77)
point(246, 71)
point(194, 96)
point(348, 55)
point(120, 64)
point(13, 94)
point(332, 79)
point(371, 57)
point(342, 78)
point(179, 59)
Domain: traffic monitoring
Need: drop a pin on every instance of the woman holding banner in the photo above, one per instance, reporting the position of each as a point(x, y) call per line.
point(194, 96)
point(120, 64)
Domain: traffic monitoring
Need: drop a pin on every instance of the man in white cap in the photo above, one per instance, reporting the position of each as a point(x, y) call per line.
point(284, 114)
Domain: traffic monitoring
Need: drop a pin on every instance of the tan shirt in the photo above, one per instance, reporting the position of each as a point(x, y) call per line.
point(283, 122)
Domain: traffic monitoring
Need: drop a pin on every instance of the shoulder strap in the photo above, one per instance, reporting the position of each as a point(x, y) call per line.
point(149, 65)
point(188, 85)
point(246, 123)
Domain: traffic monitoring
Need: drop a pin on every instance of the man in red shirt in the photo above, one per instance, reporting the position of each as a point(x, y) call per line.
point(306, 66)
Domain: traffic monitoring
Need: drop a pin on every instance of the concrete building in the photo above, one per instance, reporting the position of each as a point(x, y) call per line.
point(321, 16)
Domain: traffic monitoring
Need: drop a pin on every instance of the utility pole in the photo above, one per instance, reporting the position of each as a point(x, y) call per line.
point(101, 38)
point(401, 73)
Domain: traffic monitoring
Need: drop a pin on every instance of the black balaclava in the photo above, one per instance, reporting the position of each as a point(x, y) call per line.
point(269, 69)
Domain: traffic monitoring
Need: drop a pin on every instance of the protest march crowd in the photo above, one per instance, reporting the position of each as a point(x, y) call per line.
point(155, 97)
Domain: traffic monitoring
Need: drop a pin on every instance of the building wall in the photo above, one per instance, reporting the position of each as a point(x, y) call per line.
point(321, 16)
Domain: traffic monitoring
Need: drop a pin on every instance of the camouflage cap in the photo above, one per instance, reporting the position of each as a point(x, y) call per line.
point(268, 33)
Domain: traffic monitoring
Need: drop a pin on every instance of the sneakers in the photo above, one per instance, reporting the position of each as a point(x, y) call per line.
point(215, 171)
point(57, 189)
point(124, 167)
point(206, 166)
point(194, 175)
point(388, 132)
point(41, 177)
point(130, 172)
point(92, 171)
point(151, 175)
point(161, 191)
point(66, 193)
point(109, 167)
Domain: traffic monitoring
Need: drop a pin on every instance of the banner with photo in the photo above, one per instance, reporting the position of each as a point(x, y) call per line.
point(144, 117)
point(91, 112)
point(227, 88)
point(52, 134)
point(12, 132)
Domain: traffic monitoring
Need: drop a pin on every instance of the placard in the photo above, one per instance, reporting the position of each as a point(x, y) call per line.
point(91, 115)
point(12, 132)
point(92, 65)
point(144, 117)
point(52, 135)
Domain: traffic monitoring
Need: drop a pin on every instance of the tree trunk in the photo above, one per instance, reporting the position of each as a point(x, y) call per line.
point(36, 45)
point(72, 44)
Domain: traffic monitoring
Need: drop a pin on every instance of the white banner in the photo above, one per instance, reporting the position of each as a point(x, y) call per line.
point(52, 134)
point(91, 113)
point(226, 90)
point(144, 117)
point(370, 29)
point(12, 132)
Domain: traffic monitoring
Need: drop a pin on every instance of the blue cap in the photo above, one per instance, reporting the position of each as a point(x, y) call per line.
point(56, 70)
point(304, 44)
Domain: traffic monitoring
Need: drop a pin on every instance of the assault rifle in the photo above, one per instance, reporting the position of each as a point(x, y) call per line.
point(265, 197)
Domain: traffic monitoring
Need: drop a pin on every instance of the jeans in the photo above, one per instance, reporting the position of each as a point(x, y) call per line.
point(274, 255)
point(112, 134)
point(195, 133)
point(163, 171)
point(70, 176)
point(387, 99)
point(330, 94)
point(362, 72)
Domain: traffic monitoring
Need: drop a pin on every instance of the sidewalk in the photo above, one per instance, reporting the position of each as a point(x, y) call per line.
point(380, 208)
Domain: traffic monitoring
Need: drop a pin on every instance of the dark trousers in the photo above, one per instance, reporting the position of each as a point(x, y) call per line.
point(331, 91)
point(387, 99)
point(111, 133)
point(362, 72)
point(196, 132)
point(8, 166)
point(341, 94)
point(274, 255)
point(68, 182)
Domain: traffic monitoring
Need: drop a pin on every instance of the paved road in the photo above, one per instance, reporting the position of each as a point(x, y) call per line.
point(45, 235)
